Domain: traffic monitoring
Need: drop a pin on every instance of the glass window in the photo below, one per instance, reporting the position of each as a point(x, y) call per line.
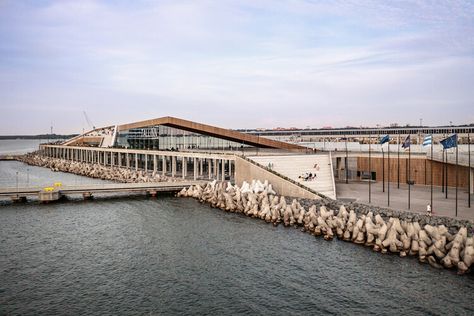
point(170, 138)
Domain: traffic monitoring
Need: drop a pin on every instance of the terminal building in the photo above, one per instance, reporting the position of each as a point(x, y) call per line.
point(312, 159)
point(170, 133)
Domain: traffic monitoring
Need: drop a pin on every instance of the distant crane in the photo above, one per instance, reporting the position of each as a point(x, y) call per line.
point(88, 120)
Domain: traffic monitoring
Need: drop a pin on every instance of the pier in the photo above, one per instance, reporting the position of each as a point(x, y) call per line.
point(50, 194)
point(8, 157)
point(186, 165)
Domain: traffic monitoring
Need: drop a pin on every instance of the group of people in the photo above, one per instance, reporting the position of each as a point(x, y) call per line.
point(308, 176)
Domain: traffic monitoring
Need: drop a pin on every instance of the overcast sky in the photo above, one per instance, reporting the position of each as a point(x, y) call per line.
point(235, 64)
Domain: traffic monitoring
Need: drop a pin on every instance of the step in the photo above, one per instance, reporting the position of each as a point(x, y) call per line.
point(296, 165)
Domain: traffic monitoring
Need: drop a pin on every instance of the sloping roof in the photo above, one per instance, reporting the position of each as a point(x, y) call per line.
point(92, 136)
point(84, 140)
point(213, 131)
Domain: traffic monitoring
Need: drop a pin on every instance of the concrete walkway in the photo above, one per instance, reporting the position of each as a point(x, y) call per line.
point(295, 166)
point(420, 197)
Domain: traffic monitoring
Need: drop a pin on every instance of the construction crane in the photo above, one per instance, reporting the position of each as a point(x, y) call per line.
point(88, 120)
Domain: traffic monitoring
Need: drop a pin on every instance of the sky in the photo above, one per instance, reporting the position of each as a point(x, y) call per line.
point(235, 64)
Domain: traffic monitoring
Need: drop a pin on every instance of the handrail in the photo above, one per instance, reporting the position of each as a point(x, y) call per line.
point(209, 155)
point(285, 177)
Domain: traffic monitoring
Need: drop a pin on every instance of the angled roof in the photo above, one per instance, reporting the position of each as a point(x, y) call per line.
point(213, 131)
point(95, 136)
point(105, 136)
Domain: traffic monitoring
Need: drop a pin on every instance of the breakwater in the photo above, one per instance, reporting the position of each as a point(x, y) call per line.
point(93, 170)
point(450, 246)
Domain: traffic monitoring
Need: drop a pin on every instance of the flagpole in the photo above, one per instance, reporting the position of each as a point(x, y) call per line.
point(442, 172)
point(398, 162)
point(370, 170)
point(457, 180)
point(469, 171)
point(409, 172)
point(383, 170)
point(431, 171)
point(446, 178)
point(388, 175)
point(425, 171)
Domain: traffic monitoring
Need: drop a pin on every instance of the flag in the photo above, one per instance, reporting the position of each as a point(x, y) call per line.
point(384, 139)
point(406, 142)
point(428, 140)
point(451, 141)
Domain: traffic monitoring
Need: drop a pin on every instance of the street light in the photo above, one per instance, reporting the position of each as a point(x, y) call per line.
point(17, 189)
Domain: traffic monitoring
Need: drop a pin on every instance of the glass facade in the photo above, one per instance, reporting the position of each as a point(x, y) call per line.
point(170, 138)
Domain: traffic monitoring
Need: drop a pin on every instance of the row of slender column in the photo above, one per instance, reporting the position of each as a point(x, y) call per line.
point(213, 168)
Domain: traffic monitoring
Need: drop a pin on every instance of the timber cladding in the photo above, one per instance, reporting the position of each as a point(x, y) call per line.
point(420, 171)
point(214, 132)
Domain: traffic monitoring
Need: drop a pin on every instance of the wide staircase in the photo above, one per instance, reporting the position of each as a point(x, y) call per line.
point(299, 168)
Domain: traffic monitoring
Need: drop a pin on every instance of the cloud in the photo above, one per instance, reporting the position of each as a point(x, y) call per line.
point(237, 63)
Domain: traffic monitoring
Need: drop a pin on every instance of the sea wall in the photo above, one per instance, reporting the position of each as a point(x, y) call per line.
point(453, 224)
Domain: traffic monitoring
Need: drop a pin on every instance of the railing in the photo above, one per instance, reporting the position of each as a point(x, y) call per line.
point(210, 155)
point(375, 148)
point(463, 158)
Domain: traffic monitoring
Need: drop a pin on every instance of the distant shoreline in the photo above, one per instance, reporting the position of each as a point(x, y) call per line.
point(45, 137)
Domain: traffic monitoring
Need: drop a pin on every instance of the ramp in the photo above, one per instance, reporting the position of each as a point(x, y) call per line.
point(299, 167)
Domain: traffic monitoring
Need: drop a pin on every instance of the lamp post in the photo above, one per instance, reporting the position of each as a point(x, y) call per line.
point(17, 189)
point(27, 177)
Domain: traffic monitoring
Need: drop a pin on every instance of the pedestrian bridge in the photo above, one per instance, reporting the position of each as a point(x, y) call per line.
point(53, 193)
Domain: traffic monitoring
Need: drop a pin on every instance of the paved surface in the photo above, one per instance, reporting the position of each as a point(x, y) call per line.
point(296, 166)
point(420, 197)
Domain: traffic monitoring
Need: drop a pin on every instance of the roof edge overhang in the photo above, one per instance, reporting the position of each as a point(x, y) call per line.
point(213, 131)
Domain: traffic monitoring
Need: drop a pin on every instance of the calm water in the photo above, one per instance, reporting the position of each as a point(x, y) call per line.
point(177, 256)
point(20, 146)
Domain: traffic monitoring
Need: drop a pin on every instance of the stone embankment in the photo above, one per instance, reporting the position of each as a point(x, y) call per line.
point(436, 244)
point(93, 170)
